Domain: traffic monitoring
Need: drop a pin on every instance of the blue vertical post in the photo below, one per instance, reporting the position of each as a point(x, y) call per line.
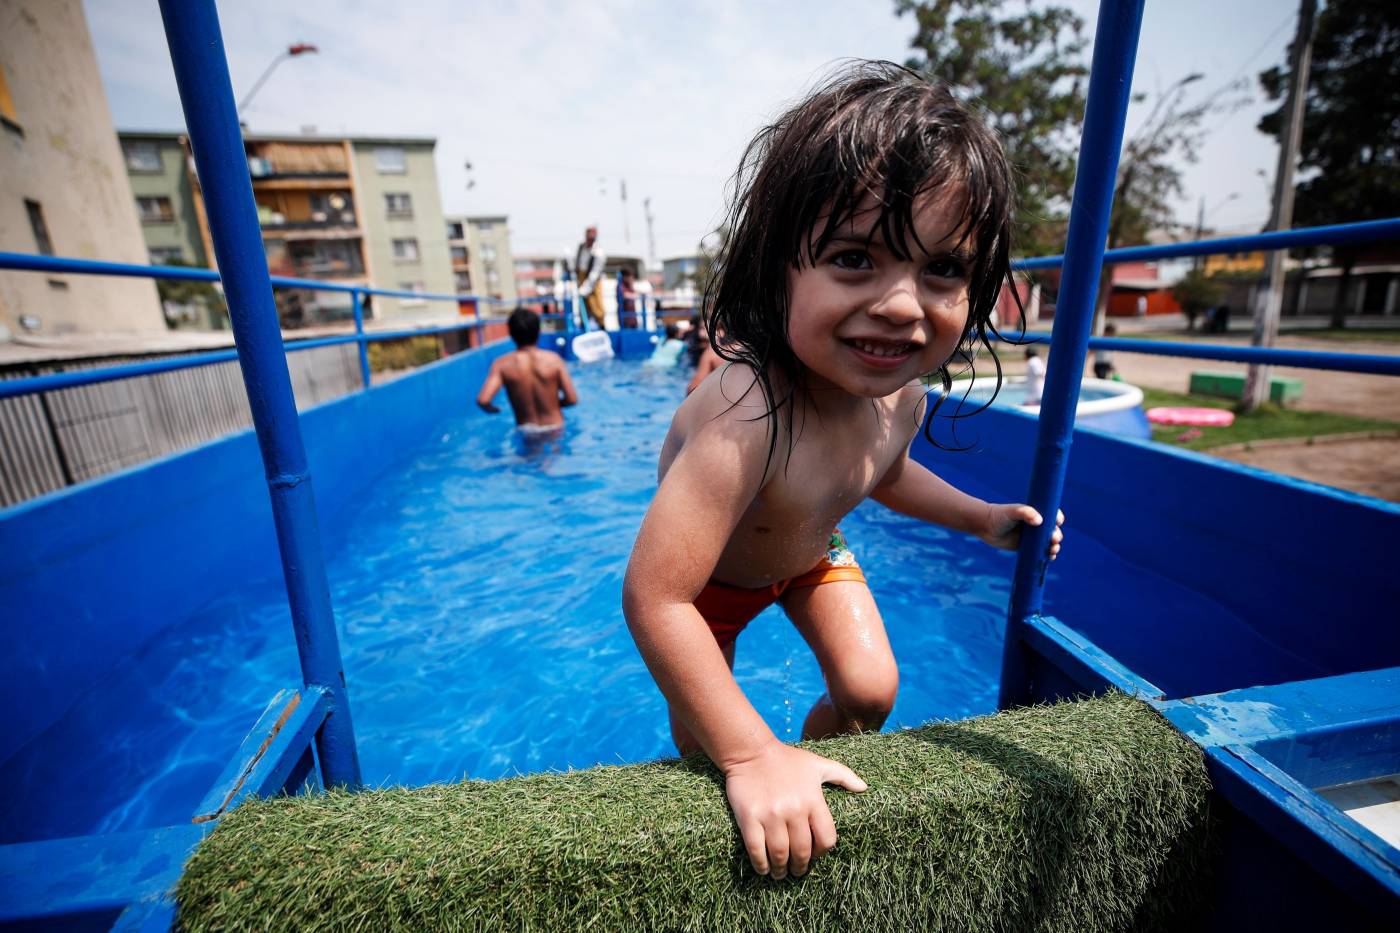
point(1110, 85)
point(206, 94)
point(568, 308)
point(361, 344)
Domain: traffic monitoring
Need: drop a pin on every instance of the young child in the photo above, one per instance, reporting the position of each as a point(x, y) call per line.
point(871, 230)
point(1035, 378)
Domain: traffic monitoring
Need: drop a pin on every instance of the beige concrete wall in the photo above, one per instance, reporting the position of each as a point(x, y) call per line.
point(433, 267)
point(63, 154)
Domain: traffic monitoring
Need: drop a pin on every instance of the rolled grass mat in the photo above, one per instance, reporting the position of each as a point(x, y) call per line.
point(1080, 816)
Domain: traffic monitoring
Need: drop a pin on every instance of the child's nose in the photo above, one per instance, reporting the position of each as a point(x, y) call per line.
point(899, 304)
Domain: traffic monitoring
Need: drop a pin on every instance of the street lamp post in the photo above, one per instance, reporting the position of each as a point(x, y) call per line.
point(299, 48)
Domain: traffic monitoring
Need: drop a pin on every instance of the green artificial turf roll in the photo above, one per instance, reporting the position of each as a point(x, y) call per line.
point(1082, 816)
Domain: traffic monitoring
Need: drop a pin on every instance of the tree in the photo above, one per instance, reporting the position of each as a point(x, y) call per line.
point(1150, 168)
point(1025, 72)
point(1197, 292)
point(1349, 157)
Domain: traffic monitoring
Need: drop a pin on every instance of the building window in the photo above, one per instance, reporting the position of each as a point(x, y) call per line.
point(484, 226)
point(459, 254)
point(398, 205)
point(492, 276)
point(412, 287)
point(464, 283)
point(488, 252)
point(406, 250)
point(41, 229)
point(455, 231)
point(155, 210)
point(142, 156)
point(390, 160)
point(166, 255)
point(8, 116)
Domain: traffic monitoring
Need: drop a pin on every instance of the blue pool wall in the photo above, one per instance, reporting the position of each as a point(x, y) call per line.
point(1304, 566)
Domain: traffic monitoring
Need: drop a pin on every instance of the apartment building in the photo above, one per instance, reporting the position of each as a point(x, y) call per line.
point(536, 275)
point(482, 260)
point(62, 188)
point(361, 211)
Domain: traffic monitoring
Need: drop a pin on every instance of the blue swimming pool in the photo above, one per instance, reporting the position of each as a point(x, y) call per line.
point(477, 588)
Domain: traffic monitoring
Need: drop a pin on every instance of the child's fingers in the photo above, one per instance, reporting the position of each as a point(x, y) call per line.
point(799, 846)
point(1060, 519)
point(842, 776)
point(755, 844)
point(777, 837)
point(823, 832)
point(1027, 514)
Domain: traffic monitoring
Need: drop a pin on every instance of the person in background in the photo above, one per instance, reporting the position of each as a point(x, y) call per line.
point(1035, 378)
point(1103, 358)
point(536, 381)
point(668, 352)
point(588, 271)
point(628, 309)
point(709, 362)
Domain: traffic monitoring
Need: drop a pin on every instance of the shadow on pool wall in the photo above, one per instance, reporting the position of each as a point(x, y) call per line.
point(1255, 578)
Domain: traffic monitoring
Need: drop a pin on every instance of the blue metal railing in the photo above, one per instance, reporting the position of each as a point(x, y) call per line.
point(1110, 89)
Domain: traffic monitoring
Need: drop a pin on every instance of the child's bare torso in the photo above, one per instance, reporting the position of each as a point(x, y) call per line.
point(838, 456)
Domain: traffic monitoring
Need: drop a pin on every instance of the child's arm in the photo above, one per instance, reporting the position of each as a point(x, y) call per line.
point(489, 388)
point(568, 395)
point(912, 489)
point(775, 790)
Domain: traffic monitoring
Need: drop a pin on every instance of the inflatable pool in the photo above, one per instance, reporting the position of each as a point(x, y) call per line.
point(1106, 405)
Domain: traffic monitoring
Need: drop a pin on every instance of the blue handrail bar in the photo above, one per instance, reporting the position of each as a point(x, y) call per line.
point(1329, 235)
point(1375, 364)
point(206, 96)
point(68, 380)
point(1110, 88)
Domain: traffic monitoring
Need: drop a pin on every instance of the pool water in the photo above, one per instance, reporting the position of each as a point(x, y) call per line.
point(477, 588)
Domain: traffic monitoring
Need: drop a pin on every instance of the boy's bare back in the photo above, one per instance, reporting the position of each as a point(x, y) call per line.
point(536, 382)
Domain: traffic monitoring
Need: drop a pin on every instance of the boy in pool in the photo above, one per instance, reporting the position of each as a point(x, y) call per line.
point(536, 381)
point(871, 229)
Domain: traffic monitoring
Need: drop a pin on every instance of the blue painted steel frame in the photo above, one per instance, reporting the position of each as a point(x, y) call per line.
point(1110, 86)
point(206, 95)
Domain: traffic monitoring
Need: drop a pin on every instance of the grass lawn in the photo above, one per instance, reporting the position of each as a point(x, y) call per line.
point(1386, 335)
point(1268, 423)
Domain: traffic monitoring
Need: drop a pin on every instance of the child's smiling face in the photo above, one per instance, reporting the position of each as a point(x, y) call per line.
point(863, 320)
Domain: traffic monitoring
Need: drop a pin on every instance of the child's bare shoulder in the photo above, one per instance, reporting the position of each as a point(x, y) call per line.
point(727, 415)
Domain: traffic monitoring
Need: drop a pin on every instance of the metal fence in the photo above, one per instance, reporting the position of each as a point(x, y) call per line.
point(49, 440)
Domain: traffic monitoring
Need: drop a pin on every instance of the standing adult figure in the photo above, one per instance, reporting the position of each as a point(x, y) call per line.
point(588, 272)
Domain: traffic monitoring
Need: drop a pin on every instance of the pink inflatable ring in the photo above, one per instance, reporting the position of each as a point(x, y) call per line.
point(1205, 417)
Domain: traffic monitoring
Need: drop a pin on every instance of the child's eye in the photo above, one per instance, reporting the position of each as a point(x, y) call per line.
point(946, 268)
point(851, 259)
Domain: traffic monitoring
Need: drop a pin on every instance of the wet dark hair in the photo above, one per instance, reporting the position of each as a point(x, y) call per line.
point(524, 327)
point(874, 134)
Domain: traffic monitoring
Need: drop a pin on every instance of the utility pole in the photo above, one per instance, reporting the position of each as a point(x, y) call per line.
point(626, 224)
point(651, 235)
point(1256, 387)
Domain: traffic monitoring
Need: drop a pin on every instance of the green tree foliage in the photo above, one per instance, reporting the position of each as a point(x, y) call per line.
point(1196, 292)
point(1349, 157)
point(1025, 72)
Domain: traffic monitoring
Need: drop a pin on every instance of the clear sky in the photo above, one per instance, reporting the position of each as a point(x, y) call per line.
point(553, 103)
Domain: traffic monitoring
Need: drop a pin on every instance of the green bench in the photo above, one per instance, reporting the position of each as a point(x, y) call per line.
point(1282, 390)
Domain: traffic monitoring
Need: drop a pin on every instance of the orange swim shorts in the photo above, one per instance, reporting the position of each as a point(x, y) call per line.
point(728, 609)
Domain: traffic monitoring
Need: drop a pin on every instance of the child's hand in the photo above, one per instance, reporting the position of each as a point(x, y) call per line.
point(777, 801)
point(1004, 526)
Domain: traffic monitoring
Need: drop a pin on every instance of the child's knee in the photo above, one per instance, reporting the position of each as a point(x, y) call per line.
point(866, 696)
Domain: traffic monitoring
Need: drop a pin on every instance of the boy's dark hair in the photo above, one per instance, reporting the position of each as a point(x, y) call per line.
point(874, 130)
point(672, 331)
point(1031, 351)
point(524, 327)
